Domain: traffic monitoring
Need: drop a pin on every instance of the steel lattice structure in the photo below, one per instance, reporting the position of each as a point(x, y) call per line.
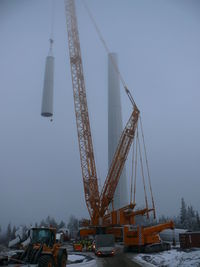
point(97, 205)
point(118, 161)
point(82, 117)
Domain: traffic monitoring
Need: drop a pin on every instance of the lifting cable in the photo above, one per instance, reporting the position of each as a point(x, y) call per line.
point(134, 170)
point(108, 51)
point(136, 152)
point(133, 103)
point(148, 173)
point(52, 19)
point(143, 179)
point(132, 173)
point(51, 38)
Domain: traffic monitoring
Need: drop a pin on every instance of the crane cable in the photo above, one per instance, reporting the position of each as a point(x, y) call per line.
point(132, 173)
point(147, 165)
point(52, 19)
point(134, 167)
point(134, 170)
point(143, 179)
point(136, 152)
point(133, 103)
point(51, 37)
point(108, 51)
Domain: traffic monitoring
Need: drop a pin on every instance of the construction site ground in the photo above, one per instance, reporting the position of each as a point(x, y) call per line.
point(171, 258)
point(118, 260)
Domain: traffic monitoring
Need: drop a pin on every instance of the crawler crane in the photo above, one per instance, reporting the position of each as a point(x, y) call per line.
point(97, 203)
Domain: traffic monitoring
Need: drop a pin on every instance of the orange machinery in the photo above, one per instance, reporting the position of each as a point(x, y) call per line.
point(97, 203)
point(146, 238)
point(43, 250)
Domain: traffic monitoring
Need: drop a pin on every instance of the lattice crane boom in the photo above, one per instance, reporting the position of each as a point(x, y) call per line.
point(82, 117)
point(118, 161)
point(97, 205)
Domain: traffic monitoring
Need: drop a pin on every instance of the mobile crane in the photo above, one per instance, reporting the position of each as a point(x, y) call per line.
point(97, 203)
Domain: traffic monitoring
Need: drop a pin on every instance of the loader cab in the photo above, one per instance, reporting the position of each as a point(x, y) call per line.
point(43, 236)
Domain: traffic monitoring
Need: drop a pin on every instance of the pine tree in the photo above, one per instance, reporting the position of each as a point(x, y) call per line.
point(43, 223)
point(190, 212)
point(13, 232)
point(61, 225)
point(50, 221)
point(191, 218)
point(8, 232)
point(24, 231)
point(198, 220)
point(183, 213)
point(73, 225)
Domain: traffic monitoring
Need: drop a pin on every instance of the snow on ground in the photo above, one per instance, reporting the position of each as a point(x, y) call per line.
point(74, 257)
point(91, 263)
point(171, 258)
point(76, 260)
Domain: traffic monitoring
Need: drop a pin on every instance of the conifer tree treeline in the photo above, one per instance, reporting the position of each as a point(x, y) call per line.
point(188, 218)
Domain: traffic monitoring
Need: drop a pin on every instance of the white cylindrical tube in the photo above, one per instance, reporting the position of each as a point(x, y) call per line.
point(47, 100)
point(115, 128)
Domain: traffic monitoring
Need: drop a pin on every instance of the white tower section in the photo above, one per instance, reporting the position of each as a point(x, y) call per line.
point(47, 99)
point(115, 128)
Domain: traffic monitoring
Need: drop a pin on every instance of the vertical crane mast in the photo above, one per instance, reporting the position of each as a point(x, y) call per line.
point(82, 117)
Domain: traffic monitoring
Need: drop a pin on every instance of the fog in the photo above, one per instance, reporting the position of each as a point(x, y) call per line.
point(157, 43)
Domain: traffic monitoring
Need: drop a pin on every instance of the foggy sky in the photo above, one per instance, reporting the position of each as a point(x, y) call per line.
point(157, 43)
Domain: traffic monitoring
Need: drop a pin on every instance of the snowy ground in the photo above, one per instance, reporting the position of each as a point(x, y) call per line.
point(171, 258)
point(76, 260)
point(73, 258)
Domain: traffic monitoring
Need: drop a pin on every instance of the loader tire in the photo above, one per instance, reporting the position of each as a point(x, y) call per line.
point(62, 262)
point(45, 261)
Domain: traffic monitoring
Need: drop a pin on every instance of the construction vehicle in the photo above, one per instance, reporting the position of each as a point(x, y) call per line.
point(42, 250)
point(101, 219)
point(104, 245)
point(77, 246)
point(146, 239)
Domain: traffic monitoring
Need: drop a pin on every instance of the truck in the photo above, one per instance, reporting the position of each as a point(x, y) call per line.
point(104, 245)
